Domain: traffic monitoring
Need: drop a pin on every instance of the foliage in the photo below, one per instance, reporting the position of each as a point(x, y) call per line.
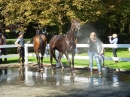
point(115, 13)
point(12, 41)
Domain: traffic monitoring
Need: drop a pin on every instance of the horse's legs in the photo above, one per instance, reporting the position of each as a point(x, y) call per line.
point(41, 65)
point(59, 59)
point(54, 55)
point(51, 57)
point(73, 54)
point(69, 61)
point(38, 59)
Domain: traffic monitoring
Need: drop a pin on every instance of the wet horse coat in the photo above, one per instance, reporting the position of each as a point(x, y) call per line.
point(64, 44)
point(1, 43)
point(39, 42)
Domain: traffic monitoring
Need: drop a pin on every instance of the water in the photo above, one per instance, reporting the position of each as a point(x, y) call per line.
point(60, 78)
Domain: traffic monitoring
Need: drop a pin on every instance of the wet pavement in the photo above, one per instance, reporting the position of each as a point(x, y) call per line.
point(62, 84)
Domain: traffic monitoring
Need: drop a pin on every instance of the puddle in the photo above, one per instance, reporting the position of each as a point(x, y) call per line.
point(60, 78)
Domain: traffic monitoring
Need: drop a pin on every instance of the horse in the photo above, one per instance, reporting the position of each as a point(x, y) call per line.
point(39, 41)
point(1, 43)
point(64, 44)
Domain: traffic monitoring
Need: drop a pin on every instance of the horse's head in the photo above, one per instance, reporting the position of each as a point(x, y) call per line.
point(76, 24)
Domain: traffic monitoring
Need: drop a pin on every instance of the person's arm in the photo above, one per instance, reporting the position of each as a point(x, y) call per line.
point(115, 40)
point(102, 49)
point(4, 39)
point(17, 42)
point(88, 42)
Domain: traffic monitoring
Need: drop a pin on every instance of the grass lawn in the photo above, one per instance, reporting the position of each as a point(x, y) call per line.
point(123, 53)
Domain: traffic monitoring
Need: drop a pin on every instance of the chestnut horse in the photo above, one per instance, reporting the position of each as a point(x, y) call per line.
point(64, 44)
point(39, 42)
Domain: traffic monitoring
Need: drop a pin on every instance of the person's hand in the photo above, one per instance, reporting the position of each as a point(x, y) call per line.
point(19, 45)
point(109, 37)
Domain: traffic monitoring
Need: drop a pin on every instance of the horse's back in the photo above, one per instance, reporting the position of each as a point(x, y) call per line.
point(39, 40)
point(57, 40)
point(38, 37)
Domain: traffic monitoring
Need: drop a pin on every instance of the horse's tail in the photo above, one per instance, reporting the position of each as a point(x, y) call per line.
point(41, 45)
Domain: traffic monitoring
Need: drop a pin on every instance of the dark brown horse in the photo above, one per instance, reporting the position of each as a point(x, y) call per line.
point(39, 42)
point(64, 44)
point(1, 43)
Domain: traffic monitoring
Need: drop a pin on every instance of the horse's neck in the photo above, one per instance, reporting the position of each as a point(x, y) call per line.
point(70, 34)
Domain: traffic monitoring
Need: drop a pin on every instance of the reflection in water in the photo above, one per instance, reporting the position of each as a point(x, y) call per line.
point(94, 80)
point(115, 80)
point(45, 78)
point(2, 77)
point(99, 80)
point(59, 78)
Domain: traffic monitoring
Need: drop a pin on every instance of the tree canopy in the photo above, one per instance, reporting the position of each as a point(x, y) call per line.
point(114, 13)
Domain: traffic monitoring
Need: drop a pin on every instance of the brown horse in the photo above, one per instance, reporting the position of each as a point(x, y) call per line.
point(1, 42)
point(39, 42)
point(64, 44)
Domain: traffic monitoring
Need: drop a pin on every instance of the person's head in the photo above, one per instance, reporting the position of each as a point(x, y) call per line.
point(21, 34)
point(114, 35)
point(92, 35)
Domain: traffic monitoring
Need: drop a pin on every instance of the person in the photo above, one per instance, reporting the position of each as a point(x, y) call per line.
point(1, 41)
point(3, 50)
point(93, 52)
point(20, 43)
point(114, 40)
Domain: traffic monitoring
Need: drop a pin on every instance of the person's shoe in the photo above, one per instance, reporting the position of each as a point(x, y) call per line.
point(100, 73)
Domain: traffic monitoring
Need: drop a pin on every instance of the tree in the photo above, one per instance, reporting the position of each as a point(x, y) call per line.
point(115, 13)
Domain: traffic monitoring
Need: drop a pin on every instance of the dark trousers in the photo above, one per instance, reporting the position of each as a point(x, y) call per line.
point(21, 54)
point(4, 53)
point(114, 50)
point(0, 55)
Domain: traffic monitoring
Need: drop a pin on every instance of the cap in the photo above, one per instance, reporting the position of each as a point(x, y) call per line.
point(21, 33)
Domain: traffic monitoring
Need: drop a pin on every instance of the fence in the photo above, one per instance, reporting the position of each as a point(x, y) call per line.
point(27, 54)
